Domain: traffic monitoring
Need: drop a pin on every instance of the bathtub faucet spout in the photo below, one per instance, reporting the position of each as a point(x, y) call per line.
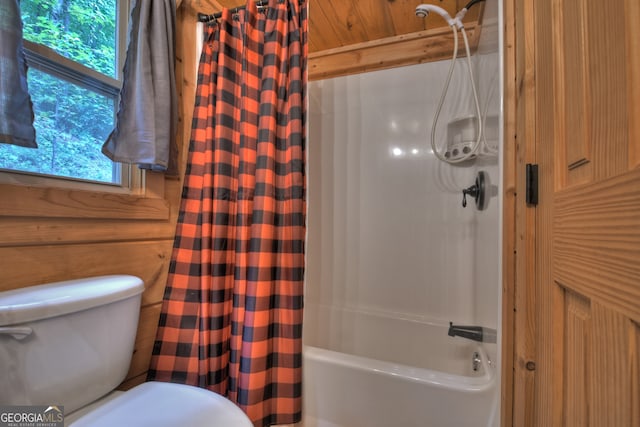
point(476, 333)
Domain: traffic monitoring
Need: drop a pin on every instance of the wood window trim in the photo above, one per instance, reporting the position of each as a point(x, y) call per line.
point(55, 202)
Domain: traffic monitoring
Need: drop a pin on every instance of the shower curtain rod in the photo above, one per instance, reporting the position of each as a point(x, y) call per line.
point(262, 4)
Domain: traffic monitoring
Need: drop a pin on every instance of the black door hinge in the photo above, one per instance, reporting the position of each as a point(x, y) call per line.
point(532, 184)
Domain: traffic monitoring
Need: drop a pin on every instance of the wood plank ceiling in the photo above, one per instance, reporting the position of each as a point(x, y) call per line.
point(339, 23)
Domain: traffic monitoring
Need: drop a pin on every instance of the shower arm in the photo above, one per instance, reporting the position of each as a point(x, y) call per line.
point(460, 15)
point(471, 3)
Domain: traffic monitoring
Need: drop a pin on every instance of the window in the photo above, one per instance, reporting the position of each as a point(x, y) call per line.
point(75, 50)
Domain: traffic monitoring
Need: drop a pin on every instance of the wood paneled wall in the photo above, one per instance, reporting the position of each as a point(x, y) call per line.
point(335, 24)
point(53, 234)
point(407, 49)
point(49, 235)
point(339, 45)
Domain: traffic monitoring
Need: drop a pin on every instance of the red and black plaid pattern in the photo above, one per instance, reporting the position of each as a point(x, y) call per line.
point(231, 319)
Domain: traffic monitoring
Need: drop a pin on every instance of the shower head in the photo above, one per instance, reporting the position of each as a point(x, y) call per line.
point(422, 11)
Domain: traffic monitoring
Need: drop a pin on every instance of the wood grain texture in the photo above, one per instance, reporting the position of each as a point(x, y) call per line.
point(55, 231)
point(610, 393)
point(597, 241)
point(573, 61)
point(608, 87)
point(348, 37)
point(339, 23)
point(320, 29)
point(587, 232)
point(346, 23)
point(577, 360)
point(600, 366)
point(42, 202)
point(525, 226)
point(572, 102)
point(514, 75)
point(549, 305)
point(403, 17)
point(154, 185)
point(414, 48)
point(635, 372)
point(186, 75)
point(33, 265)
point(632, 43)
point(145, 338)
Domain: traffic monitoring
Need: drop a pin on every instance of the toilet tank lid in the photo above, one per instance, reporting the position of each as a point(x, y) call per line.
point(55, 299)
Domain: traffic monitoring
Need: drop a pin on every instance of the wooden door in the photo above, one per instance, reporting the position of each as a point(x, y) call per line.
point(586, 133)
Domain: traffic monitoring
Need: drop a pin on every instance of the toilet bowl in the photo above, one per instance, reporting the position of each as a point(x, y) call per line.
point(165, 404)
point(70, 344)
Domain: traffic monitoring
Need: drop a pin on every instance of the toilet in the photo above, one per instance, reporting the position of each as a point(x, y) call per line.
point(70, 344)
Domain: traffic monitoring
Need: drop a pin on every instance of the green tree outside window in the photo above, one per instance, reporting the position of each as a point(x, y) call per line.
point(72, 120)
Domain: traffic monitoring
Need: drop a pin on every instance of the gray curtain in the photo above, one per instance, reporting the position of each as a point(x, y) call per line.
point(147, 114)
point(16, 109)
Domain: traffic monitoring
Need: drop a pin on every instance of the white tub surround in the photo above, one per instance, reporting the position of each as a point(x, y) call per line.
point(393, 257)
point(345, 390)
point(368, 368)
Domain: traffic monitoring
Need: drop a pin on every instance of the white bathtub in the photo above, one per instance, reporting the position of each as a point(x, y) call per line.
point(367, 369)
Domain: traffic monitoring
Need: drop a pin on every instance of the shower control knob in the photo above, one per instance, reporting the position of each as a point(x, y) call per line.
point(471, 191)
point(477, 191)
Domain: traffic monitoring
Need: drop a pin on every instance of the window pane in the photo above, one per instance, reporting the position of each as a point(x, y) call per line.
point(71, 125)
point(81, 30)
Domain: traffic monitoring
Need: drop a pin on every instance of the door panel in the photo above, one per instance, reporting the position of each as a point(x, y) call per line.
point(587, 230)
point(591, 88)
point(575, 107)
point(577, 360)
point(632, 43)
point(599, 364)
point(596, 241)
point(609, 374)
point(635, 374)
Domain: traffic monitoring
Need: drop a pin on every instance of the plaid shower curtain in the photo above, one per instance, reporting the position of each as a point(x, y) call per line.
point(231, 320)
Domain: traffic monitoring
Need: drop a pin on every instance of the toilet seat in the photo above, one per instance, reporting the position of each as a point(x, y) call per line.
point(158, 404)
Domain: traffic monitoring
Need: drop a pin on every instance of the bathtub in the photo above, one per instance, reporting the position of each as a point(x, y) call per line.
point(368, 369)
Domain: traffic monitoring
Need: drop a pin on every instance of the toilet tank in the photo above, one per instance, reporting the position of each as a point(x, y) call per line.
point(67, 343)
